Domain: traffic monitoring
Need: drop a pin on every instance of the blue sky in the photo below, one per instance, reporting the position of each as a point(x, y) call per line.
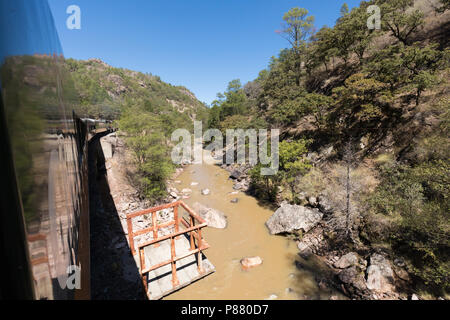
point(26, 27)
point(200, 44)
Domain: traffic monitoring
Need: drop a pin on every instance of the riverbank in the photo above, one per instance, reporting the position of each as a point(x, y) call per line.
point(283, 273)
point(355, 269)
point(293, 267)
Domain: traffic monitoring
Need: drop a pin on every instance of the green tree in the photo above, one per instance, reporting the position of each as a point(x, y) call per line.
point(280, 87)
point(298, 27)
point(214, 116)
point(387, 65)
point(323, 46)
point(361, 99)
point(406, 67)
point(422, 64)
point(399, 21)
point(318, 105)
point(149, 147)
point(264, 186)
point(344, 9)
point(288, 112)
point(351, 35)
point(233, 101)
point(418, 208)
point(244, 122)
point(293, 163)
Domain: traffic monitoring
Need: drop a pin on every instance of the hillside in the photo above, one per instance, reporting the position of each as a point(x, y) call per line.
point(104, 91)
point(364, 118)
point(145, 109)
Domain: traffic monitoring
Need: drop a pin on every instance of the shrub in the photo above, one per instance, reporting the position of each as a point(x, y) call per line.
point(416, 201)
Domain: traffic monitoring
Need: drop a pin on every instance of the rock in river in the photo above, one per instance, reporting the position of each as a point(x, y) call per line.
point(237, 174)
point(250, 262)
point(205, 192)
point(186, 191)
point(174, 195)
point(289, 218)
point(213, 217)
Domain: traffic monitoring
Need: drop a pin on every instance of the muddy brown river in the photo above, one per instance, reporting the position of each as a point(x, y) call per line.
point(246, 235)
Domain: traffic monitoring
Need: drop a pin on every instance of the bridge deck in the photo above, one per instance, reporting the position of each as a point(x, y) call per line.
point(160, 280)
point(172, 261)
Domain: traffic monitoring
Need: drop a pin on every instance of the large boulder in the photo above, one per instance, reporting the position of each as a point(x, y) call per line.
point(289, 218)
point(324, 204)
point(237, 174)
point(380, 276)
point(250, 262)
point(347, 260)
point(214, 218)
point(354, 282)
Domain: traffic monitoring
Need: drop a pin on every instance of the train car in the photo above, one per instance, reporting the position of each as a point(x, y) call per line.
point(44, 217)
point(98, 125)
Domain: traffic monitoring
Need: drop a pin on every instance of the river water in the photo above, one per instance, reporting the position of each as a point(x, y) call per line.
point(246, 235)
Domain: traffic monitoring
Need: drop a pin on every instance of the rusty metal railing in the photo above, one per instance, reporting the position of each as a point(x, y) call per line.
point(190, 227)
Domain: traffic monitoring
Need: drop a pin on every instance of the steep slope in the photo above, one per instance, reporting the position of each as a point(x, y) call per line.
point(104, 91)
point(363, 116)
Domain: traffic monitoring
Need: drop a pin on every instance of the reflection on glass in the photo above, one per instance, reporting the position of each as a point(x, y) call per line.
point(48, 145)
